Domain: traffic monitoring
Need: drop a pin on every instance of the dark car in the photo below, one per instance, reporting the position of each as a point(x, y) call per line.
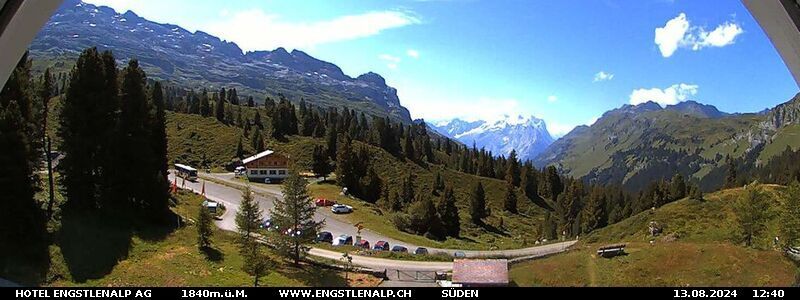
point(421, 250)
point(399, 248)
point(362, 244)
point(381, 245)
point(325, 236)
point(459, 254)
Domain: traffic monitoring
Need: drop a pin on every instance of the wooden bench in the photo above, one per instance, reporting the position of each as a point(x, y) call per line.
point(611, 250)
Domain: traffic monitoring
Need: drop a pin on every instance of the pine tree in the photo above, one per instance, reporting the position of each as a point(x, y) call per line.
point(250, 102)
point(321, 164)
point(45, 93)
point(205, 105)
point(510, 200)
point(790, 216)
point(730, 178)
point(371, 184)
point(248, 219)
point(139, 183)
point(594, 215)
point(477, 204)
point(677, 188)
point(233, 98)
point(513, 168)
point(219, 107)
point(752, 213)
point(240, 149)
point(295, 213)
point(87, 128)
point(20, 219)
point(448, 212)
point(695, 193)
point(331, 139)
point(204, 231)
point(345, 173)
point(407, 193)
point(257, 141)
point(159, 143)
point(438, 183)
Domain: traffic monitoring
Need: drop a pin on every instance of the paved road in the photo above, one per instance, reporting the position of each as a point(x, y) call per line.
point(266, 194)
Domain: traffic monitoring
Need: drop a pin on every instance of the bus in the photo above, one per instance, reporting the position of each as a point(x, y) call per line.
point(186, 172)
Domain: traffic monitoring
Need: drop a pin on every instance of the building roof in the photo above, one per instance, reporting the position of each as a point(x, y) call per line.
point(185, 167)
point(257, 156)
point(480, 271)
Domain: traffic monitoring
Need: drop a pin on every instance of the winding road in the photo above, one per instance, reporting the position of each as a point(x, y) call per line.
point(230, 195)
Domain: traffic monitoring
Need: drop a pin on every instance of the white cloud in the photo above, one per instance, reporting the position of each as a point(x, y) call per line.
point(392, 61)
point(670, 95)
point(389, 58)
point(257, 30)
point(552, 98)
point(669, 37)
point(721, 36)
point(602, 76)
point(678, 33)
point(412, 53)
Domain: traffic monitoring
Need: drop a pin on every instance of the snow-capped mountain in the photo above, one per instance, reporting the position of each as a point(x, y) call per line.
point(527, 135)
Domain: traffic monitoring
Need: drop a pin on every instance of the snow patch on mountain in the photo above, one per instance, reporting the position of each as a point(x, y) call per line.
point(527, 135)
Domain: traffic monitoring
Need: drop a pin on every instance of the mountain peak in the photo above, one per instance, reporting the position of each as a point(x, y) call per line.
point(696, 108)
point(373, 78)
point(527, 135)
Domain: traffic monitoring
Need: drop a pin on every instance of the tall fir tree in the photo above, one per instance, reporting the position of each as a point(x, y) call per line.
point(295, 212)
point(752, 213)
point(477, 204)
point(345, 169)
point(790, 216)
point(87, 128)
point(448, 212)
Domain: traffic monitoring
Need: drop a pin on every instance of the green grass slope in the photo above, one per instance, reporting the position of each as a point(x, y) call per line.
point(695, 249)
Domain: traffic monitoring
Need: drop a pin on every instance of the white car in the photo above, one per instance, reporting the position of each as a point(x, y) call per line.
point(341, 209)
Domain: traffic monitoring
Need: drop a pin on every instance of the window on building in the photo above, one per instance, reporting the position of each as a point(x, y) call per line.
point(253, 172)
point(263, 172)
point(271, 172)
point(281, 172)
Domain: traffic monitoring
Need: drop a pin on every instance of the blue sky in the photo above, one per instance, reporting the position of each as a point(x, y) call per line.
point(566, 62)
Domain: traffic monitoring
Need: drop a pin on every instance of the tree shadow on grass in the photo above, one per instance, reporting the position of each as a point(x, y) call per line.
point(93, 242)
point(212, 254)
point(493, 229)
point(25, 259)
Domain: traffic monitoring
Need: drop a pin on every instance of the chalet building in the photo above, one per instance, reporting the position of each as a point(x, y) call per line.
point(480, 272)
point(266, 166)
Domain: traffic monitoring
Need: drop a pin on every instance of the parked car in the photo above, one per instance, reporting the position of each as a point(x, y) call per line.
point(381, 245)
point(421, 250)
point(323, 202)
point(363, 244)
point(343, 240)
point(341, 209)
point(325, 236)
point(399, 248)
point(459, 254)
